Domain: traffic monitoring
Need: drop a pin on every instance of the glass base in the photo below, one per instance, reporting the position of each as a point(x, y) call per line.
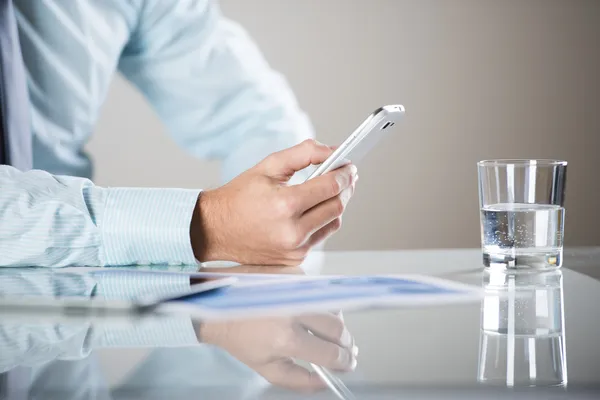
point(536, 384)
point(523, 259)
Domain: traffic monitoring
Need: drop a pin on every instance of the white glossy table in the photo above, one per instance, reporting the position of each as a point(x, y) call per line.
point(430, 352)
point(434, 352)
point(439, 346)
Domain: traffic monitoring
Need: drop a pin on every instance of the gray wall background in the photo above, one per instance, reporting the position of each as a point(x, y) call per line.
point(479, 78)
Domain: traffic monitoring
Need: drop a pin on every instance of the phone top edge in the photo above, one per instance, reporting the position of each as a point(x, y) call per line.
point(388, 112)
point(392, 108)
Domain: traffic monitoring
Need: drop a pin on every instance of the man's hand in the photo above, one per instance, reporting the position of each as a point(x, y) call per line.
point(258, 219)
point(270, 345)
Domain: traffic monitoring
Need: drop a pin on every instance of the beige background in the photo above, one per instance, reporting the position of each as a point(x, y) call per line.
point(479, 78)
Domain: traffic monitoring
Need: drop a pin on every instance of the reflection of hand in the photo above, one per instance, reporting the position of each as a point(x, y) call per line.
point(269, 346)
point(258, 219)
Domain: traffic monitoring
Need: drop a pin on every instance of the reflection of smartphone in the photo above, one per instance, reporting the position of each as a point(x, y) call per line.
point(363, 139)
point(198, 284)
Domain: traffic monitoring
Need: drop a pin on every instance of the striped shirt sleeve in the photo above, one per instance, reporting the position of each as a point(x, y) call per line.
point(211, 85)
point(58, 221)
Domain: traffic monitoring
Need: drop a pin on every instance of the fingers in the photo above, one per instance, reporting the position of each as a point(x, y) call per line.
point(283, 164)
point(323, 188)
point(327, 354)
point(321, 235)
point(323, 214)
point(328, 327)
point(287, 374)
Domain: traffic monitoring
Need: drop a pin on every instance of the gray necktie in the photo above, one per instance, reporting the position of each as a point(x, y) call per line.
point(15, 133)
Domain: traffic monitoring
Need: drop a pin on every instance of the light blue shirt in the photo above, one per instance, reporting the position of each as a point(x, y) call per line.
point(203, 75)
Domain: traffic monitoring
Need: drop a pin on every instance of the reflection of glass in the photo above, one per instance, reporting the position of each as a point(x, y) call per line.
point(522, 213)
point(522, 338)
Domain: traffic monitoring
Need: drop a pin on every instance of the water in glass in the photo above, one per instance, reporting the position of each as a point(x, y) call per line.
point(519, 234)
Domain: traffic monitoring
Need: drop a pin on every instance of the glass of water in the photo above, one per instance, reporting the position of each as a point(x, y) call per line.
point(522, 213)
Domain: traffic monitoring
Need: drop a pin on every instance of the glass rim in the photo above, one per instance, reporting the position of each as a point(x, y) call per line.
point(541, 162)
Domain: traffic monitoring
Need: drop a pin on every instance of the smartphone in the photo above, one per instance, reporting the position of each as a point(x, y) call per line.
point(363, 139)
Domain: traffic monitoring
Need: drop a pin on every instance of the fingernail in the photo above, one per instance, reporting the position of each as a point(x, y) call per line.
point(354, 364)
point(355, 351)
point(355, 177)
point(346, 339)
point(353, 169)
point(344, 358)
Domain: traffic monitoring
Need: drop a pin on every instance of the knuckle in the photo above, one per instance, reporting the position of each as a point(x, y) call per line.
point(338, 206)
point(271, 159)
point(308, 145)
point(284, 206)
point(334, 186)
point(280, 343)
point(287, 343)
point(309, 142)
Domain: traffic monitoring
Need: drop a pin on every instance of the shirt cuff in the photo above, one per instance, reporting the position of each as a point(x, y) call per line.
point(119, 284)
point(163, 332)
point(147, 226)
point(131, 285)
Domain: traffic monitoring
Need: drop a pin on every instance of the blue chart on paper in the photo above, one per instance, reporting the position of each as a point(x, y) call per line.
point(310, 291)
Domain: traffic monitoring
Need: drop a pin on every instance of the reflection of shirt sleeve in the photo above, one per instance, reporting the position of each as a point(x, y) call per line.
point(130, 284)
point(211, 85)
point(56, 221)
point(36, 343)
point(166, 332)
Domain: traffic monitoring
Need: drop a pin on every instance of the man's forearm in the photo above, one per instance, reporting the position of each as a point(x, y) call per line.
point(54, 221)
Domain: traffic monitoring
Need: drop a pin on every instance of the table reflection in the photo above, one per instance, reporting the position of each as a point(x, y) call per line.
point(522, 336)
point(225, 359)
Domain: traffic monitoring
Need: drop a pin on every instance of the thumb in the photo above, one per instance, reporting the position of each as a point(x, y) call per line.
point(284, 163)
